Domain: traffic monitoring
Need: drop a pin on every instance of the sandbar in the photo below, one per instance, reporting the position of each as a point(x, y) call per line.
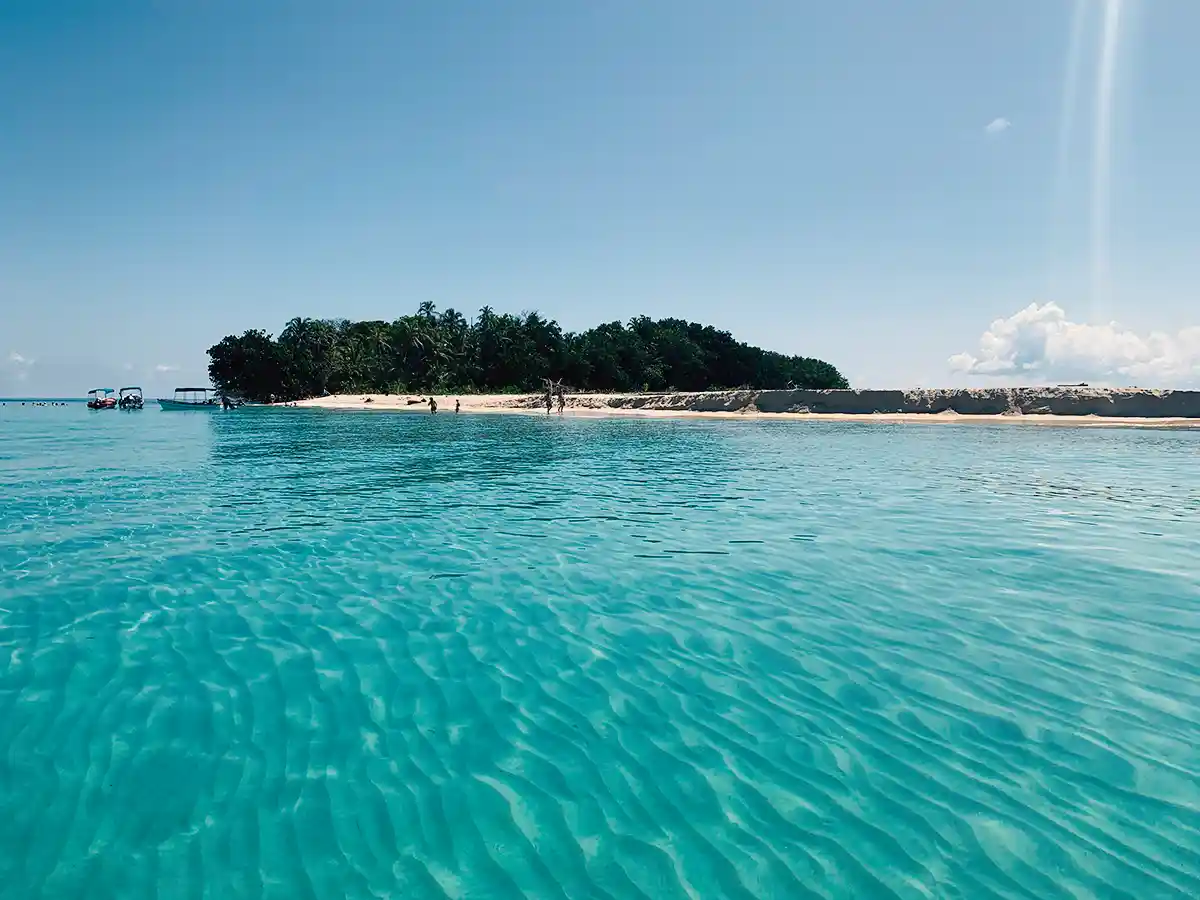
point(1061, 406)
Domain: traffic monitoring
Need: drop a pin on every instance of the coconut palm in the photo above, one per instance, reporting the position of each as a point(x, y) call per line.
point(497, 352)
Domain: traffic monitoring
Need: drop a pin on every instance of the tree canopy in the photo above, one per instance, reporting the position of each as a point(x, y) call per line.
point(432, 351)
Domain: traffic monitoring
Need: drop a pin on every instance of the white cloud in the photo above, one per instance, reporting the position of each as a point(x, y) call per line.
point(1041, 343)
point(20, 364)
point(163, 367)
point(997, 126)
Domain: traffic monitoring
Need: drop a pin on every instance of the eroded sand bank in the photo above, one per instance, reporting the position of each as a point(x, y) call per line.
point(1041, 406)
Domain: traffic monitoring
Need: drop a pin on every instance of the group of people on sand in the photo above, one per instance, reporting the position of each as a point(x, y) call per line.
point(562, 400)
point(550, 398)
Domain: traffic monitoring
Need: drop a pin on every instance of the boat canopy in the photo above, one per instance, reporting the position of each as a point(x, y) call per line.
point(100, 391)
point(192, 390)
point(132, 387)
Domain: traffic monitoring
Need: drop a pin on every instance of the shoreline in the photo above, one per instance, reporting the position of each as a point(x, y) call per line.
point(1023, 406)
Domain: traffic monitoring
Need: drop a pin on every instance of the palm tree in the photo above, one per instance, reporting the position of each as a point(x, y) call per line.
point(430, 348)
point(377, 342)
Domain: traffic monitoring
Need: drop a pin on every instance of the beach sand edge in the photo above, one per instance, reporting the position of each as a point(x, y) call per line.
point(1024, 406)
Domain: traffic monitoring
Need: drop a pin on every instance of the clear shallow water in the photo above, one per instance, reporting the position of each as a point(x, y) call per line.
point(300, 654)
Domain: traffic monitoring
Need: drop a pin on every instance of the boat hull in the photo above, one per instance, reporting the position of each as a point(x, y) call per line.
point(182, 405)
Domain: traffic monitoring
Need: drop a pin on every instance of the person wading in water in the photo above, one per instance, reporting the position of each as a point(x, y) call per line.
point(432, 406)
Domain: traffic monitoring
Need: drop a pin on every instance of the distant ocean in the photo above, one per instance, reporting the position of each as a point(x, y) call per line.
point(295, 653)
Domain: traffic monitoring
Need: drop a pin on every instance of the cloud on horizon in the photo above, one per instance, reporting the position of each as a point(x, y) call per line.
point(163, 367)
point(1040, 342)
point(997, 126)
point(19, 365)
point(50, 376)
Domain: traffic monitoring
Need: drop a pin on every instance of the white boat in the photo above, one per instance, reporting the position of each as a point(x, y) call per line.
point(191, 398)
point(130, 398)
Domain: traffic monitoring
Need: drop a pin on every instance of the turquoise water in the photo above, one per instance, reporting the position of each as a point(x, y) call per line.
point(298, 654)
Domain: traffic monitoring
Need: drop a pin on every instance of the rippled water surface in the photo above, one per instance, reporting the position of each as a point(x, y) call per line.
point(298, 654)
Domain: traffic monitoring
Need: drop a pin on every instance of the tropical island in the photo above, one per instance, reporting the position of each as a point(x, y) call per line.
point(445, 353)
point(500, 362)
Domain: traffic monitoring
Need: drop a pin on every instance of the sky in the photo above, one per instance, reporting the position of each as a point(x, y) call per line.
point(926, 193)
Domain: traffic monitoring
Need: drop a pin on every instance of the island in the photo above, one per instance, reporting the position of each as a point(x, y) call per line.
point(500, 362)
point(445, 353)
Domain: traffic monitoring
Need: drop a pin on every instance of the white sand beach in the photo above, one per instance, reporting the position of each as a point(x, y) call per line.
point(1028, 406)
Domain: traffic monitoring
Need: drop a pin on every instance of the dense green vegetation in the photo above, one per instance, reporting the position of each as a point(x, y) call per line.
point(443, 352)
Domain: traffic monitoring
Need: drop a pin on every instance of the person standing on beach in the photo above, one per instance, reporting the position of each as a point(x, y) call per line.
point(549, 401)
point(562, 401)
point(432, 406)
point(457, 405)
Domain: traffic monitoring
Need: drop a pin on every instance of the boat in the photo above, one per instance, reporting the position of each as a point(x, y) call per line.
point(130, 398)
point(101, 398)
point(191, 398)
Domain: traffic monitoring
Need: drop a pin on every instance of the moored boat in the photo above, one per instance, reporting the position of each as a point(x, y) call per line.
point(101, 398)
point(191, 398)
point(130, 398)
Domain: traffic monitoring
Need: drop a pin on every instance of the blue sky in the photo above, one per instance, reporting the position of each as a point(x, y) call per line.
point(818, 178)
